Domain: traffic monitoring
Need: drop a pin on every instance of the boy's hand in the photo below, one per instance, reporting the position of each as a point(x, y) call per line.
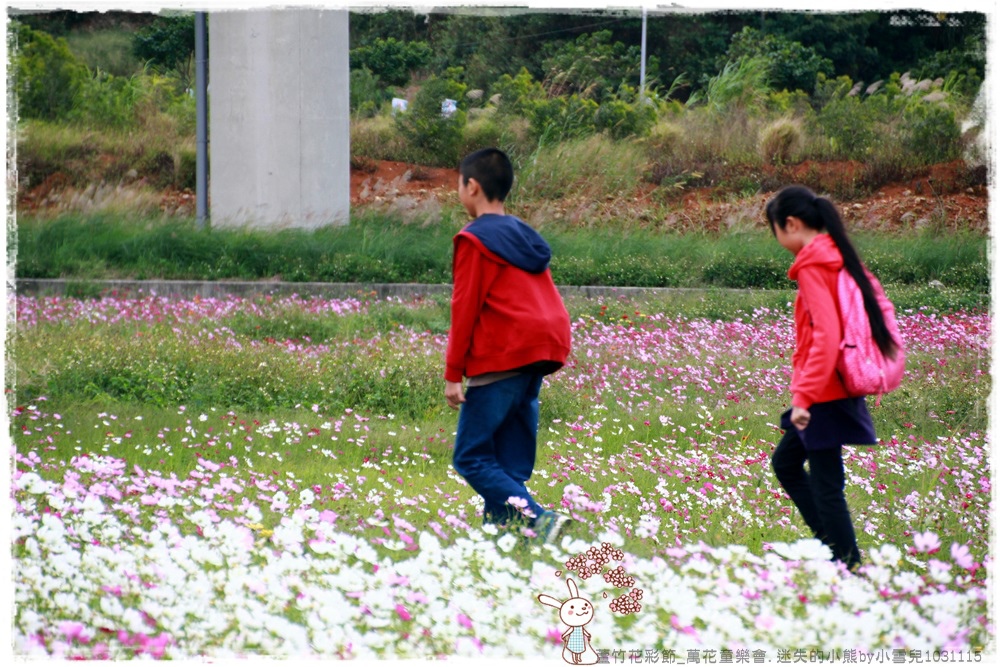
point(453, 392)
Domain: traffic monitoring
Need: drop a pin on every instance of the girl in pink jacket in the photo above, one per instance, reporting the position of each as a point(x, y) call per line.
point(822, 417)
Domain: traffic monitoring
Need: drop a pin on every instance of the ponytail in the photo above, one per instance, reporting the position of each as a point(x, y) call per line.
point(820, 214)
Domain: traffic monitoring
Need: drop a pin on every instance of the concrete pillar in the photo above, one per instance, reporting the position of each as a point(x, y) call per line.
point(279, 128)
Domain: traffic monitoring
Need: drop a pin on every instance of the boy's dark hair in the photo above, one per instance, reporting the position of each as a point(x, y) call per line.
point(492, 170)
point(820, 214)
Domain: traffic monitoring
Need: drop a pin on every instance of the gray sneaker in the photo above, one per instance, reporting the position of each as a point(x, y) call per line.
point(549, 525)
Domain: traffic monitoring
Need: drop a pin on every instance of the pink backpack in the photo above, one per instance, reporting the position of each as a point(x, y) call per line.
point(862, 367)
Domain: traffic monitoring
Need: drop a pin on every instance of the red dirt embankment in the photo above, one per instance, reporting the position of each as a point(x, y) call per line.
point(942, 196)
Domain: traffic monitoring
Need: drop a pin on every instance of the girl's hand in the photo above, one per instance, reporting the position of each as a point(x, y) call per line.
point(800, 417)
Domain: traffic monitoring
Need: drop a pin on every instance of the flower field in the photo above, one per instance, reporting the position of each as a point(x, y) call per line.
point(231, 478)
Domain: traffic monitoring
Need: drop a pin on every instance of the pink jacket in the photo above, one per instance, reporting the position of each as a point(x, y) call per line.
point(818, 330)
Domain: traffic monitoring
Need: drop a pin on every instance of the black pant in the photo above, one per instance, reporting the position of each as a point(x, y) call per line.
point(818, 494)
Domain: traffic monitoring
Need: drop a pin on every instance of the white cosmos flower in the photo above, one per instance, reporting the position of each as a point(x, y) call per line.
point(253, 514)
point(887, 554)
point(806, 549)
point(31, 482)
point(428, 543)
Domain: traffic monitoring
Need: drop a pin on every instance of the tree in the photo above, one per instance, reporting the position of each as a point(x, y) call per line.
point(791, 66)
point(426, 126)
point(594, 67)
point(391, 60)
point(47, 77)
point(168, 44)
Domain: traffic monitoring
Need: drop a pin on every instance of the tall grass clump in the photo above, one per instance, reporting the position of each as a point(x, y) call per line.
point(378, 138)
point(593, 167)
point(781, 140)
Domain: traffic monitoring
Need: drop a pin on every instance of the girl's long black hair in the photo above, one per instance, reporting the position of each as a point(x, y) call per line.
point(820, 214)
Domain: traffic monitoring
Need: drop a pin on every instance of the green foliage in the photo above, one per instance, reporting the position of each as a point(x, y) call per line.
point(367, 94)
point(594, 67)
point(106, 50)
point(635, 271)
point(742, 86)
point(380, 248)
point(518, 94)
point(378, 138)
point(482, 131)
point(791, 66)
point(790, 102)
point(437, 136)
point(168, 45)
point(47, 76)
point(849, 132)
point(931, 132)
point(741, 271)
point(663, 141)
point(622, 118)
point(390, 60)
point(558, 119)
point(893, 123)
point(968, 61)
point(108, 101)
point(595, 168)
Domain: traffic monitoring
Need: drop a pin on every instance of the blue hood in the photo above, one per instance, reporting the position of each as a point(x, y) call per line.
point(513, 240)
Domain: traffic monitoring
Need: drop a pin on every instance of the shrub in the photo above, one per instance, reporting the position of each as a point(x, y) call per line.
point(168, 45)
point(931, 133)
point(108, 101)
point(746, 271)
point(366, 93)
point(849, 126)
point(790, 65)
point(780, 140)
point(796, 103)
point(187, 169)
point(517, 94)
point(563, 118)
point(622, 119)
point(438, 137)
point(47, 77)
point(377, 138)
point(664, 138)
point(481, 131)
point(391, 60)
point(593, 67)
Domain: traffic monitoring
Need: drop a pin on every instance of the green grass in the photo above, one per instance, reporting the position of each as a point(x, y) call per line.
point(380, 248)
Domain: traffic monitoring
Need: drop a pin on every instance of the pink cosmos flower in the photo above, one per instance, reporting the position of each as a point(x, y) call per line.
point(403, 613)
point(73, 630)
point(464, 621)
point(926, 542)
point(960, 554)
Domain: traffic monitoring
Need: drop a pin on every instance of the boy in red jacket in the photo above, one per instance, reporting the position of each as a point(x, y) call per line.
point(509, 328)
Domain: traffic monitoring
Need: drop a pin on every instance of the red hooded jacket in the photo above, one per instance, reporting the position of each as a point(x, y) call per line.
point(506, 312)
point(818, 330)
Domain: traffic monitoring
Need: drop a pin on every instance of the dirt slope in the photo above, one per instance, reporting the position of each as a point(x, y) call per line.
point(942, 197)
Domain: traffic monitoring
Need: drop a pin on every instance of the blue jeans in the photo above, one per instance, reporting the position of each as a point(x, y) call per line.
point(818, 494)
point(495, 443)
